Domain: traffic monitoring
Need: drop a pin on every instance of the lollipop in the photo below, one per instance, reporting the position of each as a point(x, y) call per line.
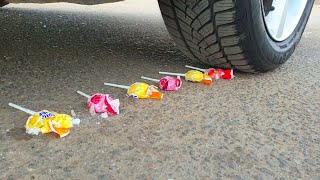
point(228, 74)
point(46, 122)
point(167, 83)
point(140, 90)
point(216, 73)
point(102, 104)
point(193, 76)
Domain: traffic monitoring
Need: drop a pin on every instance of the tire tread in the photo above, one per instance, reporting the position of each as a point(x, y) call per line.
point(206, 32)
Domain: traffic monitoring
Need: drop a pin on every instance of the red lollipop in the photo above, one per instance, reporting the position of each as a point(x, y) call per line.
point(216, 73)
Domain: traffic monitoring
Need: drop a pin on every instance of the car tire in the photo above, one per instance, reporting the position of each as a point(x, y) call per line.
point(229, 33)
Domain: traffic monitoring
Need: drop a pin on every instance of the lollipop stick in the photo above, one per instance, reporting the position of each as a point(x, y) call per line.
point(195, 68)
point(150, 79)
point(28, 111)
point(173, 74)
point(117, 85)
point(84, 94)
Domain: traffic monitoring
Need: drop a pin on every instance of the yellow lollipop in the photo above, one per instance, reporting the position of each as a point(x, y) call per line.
point(140, 90)
point(36, 123)
point(46, 122)
point(193, 76)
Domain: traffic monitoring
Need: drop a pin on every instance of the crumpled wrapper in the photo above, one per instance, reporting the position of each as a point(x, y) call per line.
point(170, 83)
point(47, 122)
point(228, 74)
point(103, 104)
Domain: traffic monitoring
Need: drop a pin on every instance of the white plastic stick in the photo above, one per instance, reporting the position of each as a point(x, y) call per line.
point(84, 94)
point(117, 85)
point(28, 111)
point(173, 74)
point(195, 68)
point(150, 79)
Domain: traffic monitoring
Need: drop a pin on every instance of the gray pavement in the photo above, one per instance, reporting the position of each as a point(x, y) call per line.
point(261, 126)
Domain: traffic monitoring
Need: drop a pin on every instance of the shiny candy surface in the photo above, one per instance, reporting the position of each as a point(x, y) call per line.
point(143, 91)
point(170, 83)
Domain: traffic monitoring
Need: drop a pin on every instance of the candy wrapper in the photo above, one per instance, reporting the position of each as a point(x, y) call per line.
point(216, 73)
point(140, 90)
point(167, 83)
point(227, 74)
point(46, 122)
point(193, 76)
point(102, 104)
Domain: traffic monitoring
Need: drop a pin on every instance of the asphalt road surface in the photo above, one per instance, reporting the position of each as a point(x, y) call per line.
point(261, 126)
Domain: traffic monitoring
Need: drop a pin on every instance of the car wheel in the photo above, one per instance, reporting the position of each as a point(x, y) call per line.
point(250, 36)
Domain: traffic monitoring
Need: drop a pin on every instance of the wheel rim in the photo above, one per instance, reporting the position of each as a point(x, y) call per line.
point(282, 16)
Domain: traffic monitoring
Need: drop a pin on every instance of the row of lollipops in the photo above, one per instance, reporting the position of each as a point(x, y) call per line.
point(104, 105)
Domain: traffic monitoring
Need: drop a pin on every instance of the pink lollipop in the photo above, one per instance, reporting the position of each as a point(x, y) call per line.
point(167, 83)
point(102, 104)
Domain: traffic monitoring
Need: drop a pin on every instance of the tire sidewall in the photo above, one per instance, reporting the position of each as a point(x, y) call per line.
point(295, 36)
point(271, 52)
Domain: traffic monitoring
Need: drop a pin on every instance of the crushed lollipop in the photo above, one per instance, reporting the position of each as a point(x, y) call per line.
point(197, 76)
point(170, 83)
point(36, 122)
point(103, 104)
point(59, 124)
point(142, 91)
point(46, 122)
